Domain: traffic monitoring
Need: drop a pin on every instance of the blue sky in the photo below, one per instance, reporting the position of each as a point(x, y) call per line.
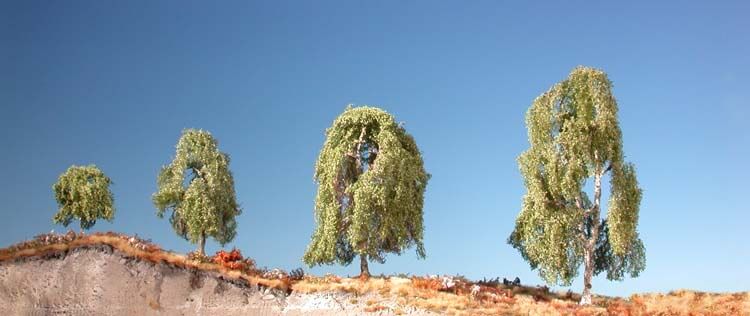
point(114, 83)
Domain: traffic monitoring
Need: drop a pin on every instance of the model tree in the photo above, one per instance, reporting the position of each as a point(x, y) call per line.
point(199, 190)
point(82, 193)
point(575, 138)
point(371, 184)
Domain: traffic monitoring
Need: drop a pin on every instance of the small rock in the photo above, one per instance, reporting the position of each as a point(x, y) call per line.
point(475, 290)
point(448, 283)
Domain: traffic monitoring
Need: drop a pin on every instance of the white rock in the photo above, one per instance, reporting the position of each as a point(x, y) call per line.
point(268, 297)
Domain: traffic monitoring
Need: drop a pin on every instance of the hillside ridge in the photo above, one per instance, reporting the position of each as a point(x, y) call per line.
point(109, 273)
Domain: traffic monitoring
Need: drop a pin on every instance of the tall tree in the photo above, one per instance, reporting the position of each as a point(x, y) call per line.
point(575, 138)
point(371, 183)
point(199, 189)
point(82, 193)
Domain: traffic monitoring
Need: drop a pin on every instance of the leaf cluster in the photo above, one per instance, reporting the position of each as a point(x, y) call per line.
point(83, 193)
point(371, 184)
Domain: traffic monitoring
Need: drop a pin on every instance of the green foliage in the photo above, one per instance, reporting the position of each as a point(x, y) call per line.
point(204, 204)
point(624, 204)
point(632, 262)
point(82, 193)
point(371, 183)
point(575, 137)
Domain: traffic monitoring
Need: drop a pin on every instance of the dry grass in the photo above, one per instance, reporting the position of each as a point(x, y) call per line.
point(685, 302)
point(465, 298)
point(426, 293)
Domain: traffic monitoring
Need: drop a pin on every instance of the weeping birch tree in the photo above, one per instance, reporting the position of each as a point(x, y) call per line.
point(199, 190)
point(83, 193)
point(576, 142)
point(371, 184)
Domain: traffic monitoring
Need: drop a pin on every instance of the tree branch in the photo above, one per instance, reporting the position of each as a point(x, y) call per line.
point(196, 174)
point(358, 154)
point(340, 182)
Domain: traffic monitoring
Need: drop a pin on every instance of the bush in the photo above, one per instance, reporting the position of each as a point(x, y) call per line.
point(233, 260)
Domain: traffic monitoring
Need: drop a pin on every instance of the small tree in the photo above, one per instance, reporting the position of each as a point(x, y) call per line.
point(82, 193)
point(575, 137)
point(203, 204)
point(371, 184)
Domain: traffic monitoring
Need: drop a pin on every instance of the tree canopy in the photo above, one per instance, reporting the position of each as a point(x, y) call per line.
point(371, 184)
point(575, 138)
point(199, 190)
point(83, 193)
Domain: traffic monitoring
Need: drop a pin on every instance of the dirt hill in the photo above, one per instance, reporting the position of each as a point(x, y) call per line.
point(102, 275)
point(111, 274)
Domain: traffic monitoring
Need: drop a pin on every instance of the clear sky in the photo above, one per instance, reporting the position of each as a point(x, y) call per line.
point(113, 83)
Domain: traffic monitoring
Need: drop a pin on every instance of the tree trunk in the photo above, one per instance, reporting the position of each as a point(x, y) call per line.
point(202, 244)
point(590, 242)
point(588, 256)
point(363, 267)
